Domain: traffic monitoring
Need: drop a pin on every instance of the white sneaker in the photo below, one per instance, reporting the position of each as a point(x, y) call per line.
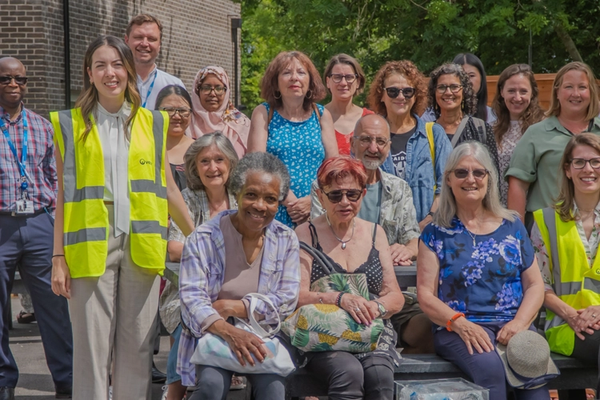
point(165, 392)
point(110, 393)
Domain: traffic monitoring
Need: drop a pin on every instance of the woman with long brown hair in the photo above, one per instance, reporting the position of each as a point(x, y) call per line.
point(115, 194)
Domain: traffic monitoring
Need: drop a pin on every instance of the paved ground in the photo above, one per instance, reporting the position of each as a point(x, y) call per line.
point(35, 382)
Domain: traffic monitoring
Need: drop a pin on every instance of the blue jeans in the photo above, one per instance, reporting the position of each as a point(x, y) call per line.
point(172, 375)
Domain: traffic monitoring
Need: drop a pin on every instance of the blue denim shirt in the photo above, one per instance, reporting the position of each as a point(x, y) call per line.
point(419, 167)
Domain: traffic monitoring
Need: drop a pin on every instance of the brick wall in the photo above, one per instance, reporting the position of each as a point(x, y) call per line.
point(196, 34)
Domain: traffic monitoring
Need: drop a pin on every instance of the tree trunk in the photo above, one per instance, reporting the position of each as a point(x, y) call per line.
point(567, 41)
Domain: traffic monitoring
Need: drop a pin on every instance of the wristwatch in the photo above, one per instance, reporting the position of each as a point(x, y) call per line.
point(382, 309)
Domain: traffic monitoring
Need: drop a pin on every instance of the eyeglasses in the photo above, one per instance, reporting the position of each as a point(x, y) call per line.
point(335, 196)
point(579, 163)
point(479, 174)
point(183, 112)
point(337, 78)
point(20, 80)
point(441, 89)
point(206, 89)
point(365, 141)
point(393, 92)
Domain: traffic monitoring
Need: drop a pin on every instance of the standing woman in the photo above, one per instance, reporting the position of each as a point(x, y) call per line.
point(474, 69)
point(399, 93)
point(533, 172)
point(214, 110)
point(291, 126)
point(177, 103)
point(453, 100)
point(344, 79)
point(516, 105)
point(111, 224)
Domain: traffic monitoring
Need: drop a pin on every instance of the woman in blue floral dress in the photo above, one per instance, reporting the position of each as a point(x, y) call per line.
point(478, 279)
point(291, 126)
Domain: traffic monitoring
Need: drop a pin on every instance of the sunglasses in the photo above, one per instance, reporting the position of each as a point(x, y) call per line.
point(479, 174)
point(20, 80)
point(206, 89)
point(393, 92)
point(441, 89)
point(183, 112)
point(337, 78)
point(579, 163)
point(335, 196)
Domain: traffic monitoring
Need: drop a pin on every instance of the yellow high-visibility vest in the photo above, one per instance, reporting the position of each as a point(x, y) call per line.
point(86, 216)
point(575, 282)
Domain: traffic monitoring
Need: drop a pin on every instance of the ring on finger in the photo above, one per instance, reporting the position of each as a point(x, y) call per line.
point(357, 309)
point(593, 315)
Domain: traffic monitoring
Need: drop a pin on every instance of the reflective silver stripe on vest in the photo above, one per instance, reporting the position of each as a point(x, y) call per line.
point(71, 193)
point(591, 284)
point(85, 235)
point(148, 227)
point(147, 186)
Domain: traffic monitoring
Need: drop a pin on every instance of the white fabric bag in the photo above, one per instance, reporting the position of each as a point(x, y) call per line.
point(214, 351)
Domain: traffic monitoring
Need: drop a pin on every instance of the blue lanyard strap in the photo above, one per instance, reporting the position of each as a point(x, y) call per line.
point(150, 88)
point(23, 162)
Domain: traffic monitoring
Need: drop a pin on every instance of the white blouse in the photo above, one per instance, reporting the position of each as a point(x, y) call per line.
point(115, 147)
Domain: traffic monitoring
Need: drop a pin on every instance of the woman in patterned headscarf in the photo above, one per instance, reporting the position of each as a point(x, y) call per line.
point(214, 111)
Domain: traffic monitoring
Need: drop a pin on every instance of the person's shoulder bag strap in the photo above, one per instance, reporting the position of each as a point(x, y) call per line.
point(429, 130)
point(459, 130)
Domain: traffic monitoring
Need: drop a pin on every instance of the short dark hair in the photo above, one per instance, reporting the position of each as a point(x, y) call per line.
point(142, 19)
point(173, 89)
point(482, 95)
point(269, 85)
point(348, 60)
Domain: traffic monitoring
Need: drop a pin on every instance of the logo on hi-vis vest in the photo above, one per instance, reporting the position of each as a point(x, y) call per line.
point(144, 162)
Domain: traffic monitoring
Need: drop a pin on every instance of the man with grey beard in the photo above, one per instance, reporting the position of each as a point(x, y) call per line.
point(389, 203)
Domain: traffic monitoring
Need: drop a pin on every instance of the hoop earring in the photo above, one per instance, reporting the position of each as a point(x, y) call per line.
point(275, 95)
point(307, 94)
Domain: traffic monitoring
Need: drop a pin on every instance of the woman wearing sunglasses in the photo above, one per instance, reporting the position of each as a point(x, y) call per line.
point(342, 236)
point(214, 111)
point(418, 152)
point(478, 279)
point(566, 239)
point(454, 102)
point(344, 79)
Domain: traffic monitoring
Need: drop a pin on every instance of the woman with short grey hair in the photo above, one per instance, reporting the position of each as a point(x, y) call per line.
point(262, 257)
point(478, 279)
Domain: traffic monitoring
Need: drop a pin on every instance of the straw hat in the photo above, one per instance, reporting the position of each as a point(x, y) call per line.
point(527, 360)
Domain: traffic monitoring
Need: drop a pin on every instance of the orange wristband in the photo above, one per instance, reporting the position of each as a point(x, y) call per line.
point(451, 320)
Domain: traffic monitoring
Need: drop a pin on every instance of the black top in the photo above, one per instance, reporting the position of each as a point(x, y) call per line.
point(371, 267)
point(398, 150)
point(178, 171)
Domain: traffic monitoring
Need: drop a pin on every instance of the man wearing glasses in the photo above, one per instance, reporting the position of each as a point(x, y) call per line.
point(27, 200)
point(143, 36)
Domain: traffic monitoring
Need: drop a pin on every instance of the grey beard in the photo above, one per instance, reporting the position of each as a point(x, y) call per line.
point(372, 164)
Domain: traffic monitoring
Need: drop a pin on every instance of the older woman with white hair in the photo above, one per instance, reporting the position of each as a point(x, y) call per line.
point(478, 279)
point(262, 257)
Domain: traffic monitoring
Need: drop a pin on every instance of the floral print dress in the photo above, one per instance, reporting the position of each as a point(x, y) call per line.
point(480, 275)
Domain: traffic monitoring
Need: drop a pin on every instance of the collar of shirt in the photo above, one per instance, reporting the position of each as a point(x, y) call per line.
point(6, 116)
point(150, 75)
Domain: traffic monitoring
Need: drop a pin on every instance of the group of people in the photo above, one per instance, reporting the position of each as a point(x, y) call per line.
point(141, 169)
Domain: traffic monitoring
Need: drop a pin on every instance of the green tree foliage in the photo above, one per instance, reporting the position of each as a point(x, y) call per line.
point(428, 32)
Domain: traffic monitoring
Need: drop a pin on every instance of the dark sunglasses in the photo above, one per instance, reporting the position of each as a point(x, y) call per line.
point(407, 92)
point(479, 174)
point(335, 196)
point(6, 79)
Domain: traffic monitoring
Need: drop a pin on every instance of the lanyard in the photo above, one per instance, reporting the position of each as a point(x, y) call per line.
point(150, 88)
point(23, 161)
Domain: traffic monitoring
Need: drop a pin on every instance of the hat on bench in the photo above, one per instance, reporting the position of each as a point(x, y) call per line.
point(527, 360)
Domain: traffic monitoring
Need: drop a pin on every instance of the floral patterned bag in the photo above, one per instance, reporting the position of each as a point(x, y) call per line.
point(327, 327)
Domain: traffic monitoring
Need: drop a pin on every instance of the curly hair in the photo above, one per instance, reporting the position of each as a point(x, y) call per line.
point(269, 86)
point(264, 163)
point(411, 73)
point(469, 103)
point(530, 116)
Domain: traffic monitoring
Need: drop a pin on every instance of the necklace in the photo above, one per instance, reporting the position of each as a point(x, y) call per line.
point(343, 242)
point(473, 236)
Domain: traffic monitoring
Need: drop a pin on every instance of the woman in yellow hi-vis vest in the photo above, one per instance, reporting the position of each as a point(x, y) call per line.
point(110, 232)
point(566, 240)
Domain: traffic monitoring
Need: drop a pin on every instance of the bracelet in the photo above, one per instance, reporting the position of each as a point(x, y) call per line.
point(338, 301)
point(430, 213)
point(451, 320)
point(58, 255)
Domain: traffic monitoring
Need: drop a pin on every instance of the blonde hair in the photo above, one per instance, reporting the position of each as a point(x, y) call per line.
point(88, 99)
point(593, 108)
point(491, 202)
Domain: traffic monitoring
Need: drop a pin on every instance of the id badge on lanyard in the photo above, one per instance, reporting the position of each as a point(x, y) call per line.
point(24, 204)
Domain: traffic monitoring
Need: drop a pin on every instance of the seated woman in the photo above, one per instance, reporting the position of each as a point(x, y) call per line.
point(212, 287)
point(566, 242)
point(477, 278)
point(341, 235)
point(208, 165)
